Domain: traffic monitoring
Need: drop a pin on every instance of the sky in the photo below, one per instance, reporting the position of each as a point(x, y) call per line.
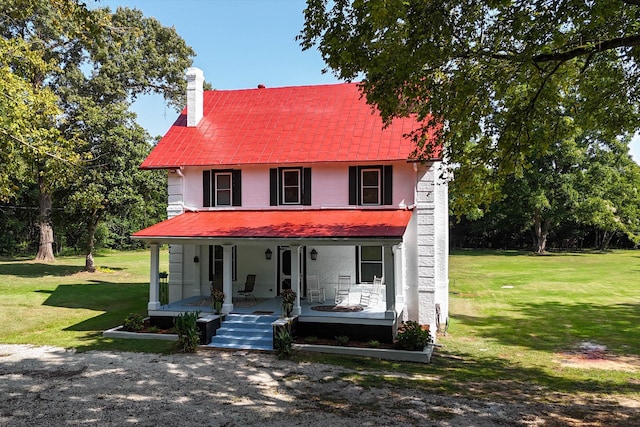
point(239, 44)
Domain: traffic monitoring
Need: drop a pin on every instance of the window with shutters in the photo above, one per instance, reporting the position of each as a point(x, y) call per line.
point(221, 188)
point(290, 186)
point(370, 185)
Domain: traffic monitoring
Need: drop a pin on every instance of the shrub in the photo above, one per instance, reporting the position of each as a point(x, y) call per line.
point(373, 343)
point(342, 340)
point(412, 337)
point(283, 341)
point(133, 323)
point(187, 328)
point(288, 296)
point(217, 298)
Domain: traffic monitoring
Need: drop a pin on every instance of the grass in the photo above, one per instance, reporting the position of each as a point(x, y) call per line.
point(512, 317)
point(59, 304)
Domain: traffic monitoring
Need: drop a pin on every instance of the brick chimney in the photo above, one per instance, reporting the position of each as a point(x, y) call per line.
point(195, 80)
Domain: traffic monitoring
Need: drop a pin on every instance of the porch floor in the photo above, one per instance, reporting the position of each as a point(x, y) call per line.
point(368, 315)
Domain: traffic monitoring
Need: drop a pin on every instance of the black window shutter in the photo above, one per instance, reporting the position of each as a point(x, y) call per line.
point(357, 264)
point(206, 188)
point(210, 263)
point(273, 186)
point(387, 180)
point(306, 186)
point(353, 185)
point(236, 185)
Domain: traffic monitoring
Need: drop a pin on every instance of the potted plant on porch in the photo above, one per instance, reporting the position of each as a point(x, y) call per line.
point(288, 298)
point(217, 298)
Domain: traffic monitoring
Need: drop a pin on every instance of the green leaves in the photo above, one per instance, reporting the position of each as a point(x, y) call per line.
point(507, 79)
point(68, 76)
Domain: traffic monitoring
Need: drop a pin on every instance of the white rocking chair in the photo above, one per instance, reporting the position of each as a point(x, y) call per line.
point(314, 291)
point(342, 291)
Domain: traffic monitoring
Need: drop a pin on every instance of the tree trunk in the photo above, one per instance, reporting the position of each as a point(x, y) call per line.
point(45, 248)
point(541, 233)
point(89, 264)
point(606, 239)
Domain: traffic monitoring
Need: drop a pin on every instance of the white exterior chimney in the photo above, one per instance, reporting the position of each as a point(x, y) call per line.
point(195, 80)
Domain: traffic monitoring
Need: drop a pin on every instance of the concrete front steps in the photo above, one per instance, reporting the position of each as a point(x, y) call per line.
point(245, 331)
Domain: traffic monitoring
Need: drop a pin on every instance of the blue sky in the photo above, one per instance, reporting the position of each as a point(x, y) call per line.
point(239, 44)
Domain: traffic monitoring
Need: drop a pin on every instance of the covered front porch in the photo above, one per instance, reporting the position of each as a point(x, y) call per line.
point(285, 250)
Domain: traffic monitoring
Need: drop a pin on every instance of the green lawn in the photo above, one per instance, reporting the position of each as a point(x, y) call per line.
point(59, 304)
point(526, 313)
point(513, 318)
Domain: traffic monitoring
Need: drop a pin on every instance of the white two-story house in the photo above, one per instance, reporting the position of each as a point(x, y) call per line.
point(292, 182)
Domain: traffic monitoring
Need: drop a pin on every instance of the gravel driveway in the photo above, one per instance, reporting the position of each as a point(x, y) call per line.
point(48, 386)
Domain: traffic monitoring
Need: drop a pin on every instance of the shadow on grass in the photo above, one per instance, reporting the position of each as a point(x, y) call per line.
point(496, 376)
point(33, 269)
point(553, 326)
point(473, 376)
point(515, 253)
point(114, 300)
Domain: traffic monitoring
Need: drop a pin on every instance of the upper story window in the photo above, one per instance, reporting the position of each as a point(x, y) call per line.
point(221, 188)
point(370, 185)
point(290, 186)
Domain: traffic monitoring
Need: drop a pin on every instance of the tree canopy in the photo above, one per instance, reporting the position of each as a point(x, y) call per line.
point(74, 72)
point(506, 80)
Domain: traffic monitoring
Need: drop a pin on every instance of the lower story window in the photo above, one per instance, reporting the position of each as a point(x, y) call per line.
point(216, 262)
point(370, 263)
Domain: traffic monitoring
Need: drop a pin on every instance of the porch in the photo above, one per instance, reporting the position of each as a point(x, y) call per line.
point(317, 318)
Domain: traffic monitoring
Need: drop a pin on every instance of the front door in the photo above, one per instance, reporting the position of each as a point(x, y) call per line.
point(284, 275)
point(284, 272)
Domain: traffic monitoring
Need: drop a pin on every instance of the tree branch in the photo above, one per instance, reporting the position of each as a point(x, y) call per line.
point(589, 49)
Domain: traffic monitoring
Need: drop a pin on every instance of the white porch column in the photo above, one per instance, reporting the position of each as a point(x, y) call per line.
point(389, 281)
point(390, 291)
point(154, 279)
point(295, 277)
point(227, 286)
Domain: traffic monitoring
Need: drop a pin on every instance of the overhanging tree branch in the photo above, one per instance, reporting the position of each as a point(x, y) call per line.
point(594, 47)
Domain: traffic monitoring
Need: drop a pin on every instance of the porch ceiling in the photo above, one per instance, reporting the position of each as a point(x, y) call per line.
point(330, 225)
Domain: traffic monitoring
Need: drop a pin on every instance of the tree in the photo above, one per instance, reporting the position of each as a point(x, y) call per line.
point(545, 194)
point(111, 184)
point(94, 58)
point(581, 183)
point(488, 73)
point(610, 189)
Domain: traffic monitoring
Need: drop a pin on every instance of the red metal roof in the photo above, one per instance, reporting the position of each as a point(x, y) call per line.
point(301, 124)
point(282, 224)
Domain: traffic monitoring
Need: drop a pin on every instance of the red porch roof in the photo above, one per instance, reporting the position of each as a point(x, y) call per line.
point(301, 124)
point(282, 224)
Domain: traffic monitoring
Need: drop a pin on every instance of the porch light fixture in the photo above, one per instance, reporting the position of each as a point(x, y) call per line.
point(268, 254)
point(314, 254)
point(196, 259)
